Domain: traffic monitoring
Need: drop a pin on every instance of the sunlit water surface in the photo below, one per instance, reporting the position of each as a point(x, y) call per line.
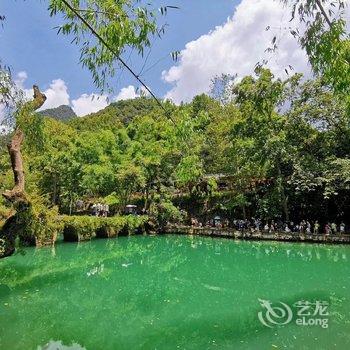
point(171, 292)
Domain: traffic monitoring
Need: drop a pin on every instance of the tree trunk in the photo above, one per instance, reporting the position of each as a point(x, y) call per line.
point(54, 192)
point(284, 197)
point(14, 149)
point(244, 212)
point(145, 205)
point(285, 206)
point(17, 195)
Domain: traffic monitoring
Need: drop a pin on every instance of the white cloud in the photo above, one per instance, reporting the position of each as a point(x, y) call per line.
point(127, 93)
point(56, 94)
point(87, 104)
point(235, 48)
point(21, 78)
point(91, 103)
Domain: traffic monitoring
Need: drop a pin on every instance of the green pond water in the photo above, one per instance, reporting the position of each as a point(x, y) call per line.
point(174, 292)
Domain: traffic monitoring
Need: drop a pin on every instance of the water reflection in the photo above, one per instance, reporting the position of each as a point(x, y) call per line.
point(57, 345)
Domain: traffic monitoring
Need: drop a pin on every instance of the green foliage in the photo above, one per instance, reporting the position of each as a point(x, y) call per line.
point(41, 223)
point(276, 149)
point(113, 200)
point(189, 170)
point(120, 24)
point(80, 228)
point(5, 212)
point(135, 223)
point(116, 114)
point(337, 177)
point(162, 210)
point(325, 40)
point(10, 94)
point(36, 223)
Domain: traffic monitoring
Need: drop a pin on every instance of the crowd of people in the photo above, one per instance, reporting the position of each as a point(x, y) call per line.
point(99, 209)
point(258, 225)
point(95, 209)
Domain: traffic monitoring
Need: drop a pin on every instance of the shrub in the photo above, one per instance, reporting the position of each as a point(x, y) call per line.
point(135, 224)
point(163, 211)
point(110, 227)
point(32, 224)
point(80, 228)
point(113, 201)
point(39, 223)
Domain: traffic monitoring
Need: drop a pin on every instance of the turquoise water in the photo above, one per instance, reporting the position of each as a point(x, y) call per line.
point(172, 292)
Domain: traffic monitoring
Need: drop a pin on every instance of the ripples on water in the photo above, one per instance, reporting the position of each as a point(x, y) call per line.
point(170, 292)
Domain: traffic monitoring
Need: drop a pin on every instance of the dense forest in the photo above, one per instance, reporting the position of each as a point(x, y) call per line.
point(262, 147)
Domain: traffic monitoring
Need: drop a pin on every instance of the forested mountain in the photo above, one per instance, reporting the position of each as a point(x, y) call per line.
point(117, 112)
point(63, 113)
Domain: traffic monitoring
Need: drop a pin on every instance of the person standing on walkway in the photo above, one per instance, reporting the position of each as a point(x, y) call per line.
point(334, 228)
point(287, 229)
point(308, 227)
point(99, 209)
point(342, 228)
point(266, 228)
point(94, 209)
point(106, 210)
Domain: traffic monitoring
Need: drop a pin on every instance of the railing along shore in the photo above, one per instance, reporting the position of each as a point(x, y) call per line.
point(258, 235)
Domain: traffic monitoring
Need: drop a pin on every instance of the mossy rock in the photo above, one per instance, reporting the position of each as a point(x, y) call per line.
point(46, 240)
point(7, 237)
point(110, 227)
point(15, 227)
point(82, 228)
point(135, 225)
point(73, 233)
point(79, 228)
point(106, 232)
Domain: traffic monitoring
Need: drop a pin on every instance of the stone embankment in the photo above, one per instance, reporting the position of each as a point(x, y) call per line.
point(263, 236)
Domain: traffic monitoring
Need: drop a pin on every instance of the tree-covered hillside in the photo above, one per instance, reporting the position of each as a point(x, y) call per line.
point(63, 113)
point(117, 112)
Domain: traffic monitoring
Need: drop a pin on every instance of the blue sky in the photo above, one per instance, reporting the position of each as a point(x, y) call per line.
point(29, 43)
point(214, 37)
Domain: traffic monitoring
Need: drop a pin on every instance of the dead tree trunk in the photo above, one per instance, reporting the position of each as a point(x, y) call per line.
point(14, 148)
point(17, 195)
